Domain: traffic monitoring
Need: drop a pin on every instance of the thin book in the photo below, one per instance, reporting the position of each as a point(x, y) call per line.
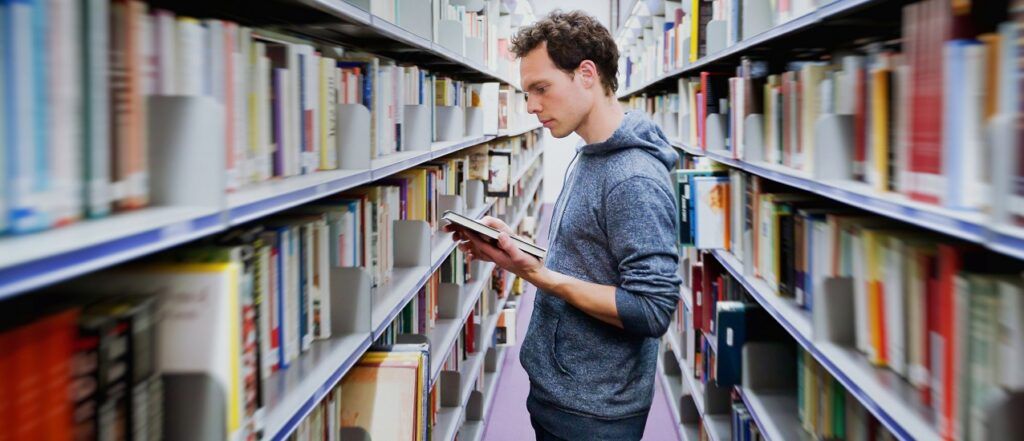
point(477, 227)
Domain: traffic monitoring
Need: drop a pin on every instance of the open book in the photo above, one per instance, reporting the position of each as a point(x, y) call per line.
point(488, 232)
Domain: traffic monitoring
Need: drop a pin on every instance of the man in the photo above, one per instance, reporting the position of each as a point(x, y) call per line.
point(609, 285)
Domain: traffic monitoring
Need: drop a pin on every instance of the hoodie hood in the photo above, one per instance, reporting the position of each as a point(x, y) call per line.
point(636, 132)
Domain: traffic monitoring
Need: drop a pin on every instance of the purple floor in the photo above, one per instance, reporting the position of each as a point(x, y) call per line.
point(508, 419)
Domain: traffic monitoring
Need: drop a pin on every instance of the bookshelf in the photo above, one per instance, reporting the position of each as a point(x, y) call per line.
point(882, 392)
point(969, 226)
point(809, 23)
point(31, 262)
point(856, 155)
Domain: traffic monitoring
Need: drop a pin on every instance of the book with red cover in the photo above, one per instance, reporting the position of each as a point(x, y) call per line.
point(927, 26)
point(714, 86)
point(696, 290)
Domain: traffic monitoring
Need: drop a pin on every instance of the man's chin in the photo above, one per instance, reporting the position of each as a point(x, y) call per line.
point(559, 133)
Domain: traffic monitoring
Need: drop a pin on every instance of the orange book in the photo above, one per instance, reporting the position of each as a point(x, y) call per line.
point(58, 348)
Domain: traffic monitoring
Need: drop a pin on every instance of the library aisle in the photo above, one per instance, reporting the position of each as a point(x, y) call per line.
point(509, 420)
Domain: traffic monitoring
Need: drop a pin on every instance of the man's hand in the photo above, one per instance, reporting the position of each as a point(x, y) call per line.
point(505, 254)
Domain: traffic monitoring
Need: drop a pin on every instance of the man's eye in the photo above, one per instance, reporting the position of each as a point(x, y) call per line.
point(541, 90)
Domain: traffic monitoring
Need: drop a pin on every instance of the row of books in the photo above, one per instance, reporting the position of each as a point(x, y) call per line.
point(927, 116)
point(826, 410)
point(673, 34)
point(938, 313)
point(78, 113)
point(96, 346)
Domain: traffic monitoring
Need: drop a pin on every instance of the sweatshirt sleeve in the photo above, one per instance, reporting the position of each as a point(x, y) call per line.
point(641, 226)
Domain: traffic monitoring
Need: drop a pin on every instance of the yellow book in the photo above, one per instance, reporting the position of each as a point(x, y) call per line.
point(873, 259)
point(993, 42)
point(694, 30)
point(880, 128)
point(811, 77)
point(328, 109)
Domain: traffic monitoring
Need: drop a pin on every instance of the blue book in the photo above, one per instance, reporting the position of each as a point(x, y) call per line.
point(305, 331)
point(730, 317)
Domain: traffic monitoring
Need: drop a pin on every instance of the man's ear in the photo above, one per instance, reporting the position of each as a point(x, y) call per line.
point(588, 73)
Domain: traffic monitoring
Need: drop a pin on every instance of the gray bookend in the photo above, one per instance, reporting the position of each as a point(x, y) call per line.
point(449, 122)
point(753, 138)
point(684, 126)
point(834, 136)
point(716, 126)
point(451, 388)
point(450, 34)
point(412, 243)
point(450, 202)
point(757, 17)
point(688, 413)
point(717, 400)
point(670, 363)
point(195, 408)
point(475, 406)
point(353, 434)
point(1002, 134)
point(491, 360)
point(769, 366)
point(715, 36)
point(416, 127)
point(412, 339)
point(353, 140)
point(831, 319)
point(350, 300)
point(412, 16)
point(182, 133)
point(474, 125)
point(475, 49)
point(476, 190)
point(1001, 419)
point(449, 301)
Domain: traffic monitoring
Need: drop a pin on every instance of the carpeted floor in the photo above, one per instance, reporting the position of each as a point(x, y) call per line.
point(508, 419)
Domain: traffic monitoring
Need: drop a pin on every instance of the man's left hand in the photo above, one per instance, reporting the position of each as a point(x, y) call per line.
point(505, 255)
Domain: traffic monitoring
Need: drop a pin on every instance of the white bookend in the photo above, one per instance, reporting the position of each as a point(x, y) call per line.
point(353, 142)
point(489, 101)
point(833, 135)
point(450, 122)
point(416, 128)
point(183, 130)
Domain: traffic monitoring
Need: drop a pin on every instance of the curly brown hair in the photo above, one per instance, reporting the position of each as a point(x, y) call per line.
point(572, 37)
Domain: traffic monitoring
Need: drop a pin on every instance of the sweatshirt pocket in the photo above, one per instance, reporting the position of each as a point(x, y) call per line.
point(608, 359)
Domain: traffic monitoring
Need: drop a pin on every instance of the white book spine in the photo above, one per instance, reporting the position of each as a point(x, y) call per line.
point(166, 50)
point(860, 296)
point(323, 278)
point(66, 105)
point(24, 137)
point(293, 312)
point(190, 50)
point(263, 285)
point(976, 152)
point(96, 115)
point(262, 133)
point(895, 296)
point(3, 121)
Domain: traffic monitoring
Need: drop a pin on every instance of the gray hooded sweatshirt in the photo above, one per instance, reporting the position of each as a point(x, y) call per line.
point(613, 224)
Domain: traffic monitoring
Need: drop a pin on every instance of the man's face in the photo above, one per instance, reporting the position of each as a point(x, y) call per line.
point(557, 98)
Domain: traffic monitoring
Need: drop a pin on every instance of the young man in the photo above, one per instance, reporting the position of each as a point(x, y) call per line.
point(609, 285)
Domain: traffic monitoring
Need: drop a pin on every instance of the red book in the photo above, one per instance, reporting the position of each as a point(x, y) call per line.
point(931, 321)
point(942, 331)
point(701, 120)
point(696, 288)
point(929, 29)
point(58, 347)
point(860, 134)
